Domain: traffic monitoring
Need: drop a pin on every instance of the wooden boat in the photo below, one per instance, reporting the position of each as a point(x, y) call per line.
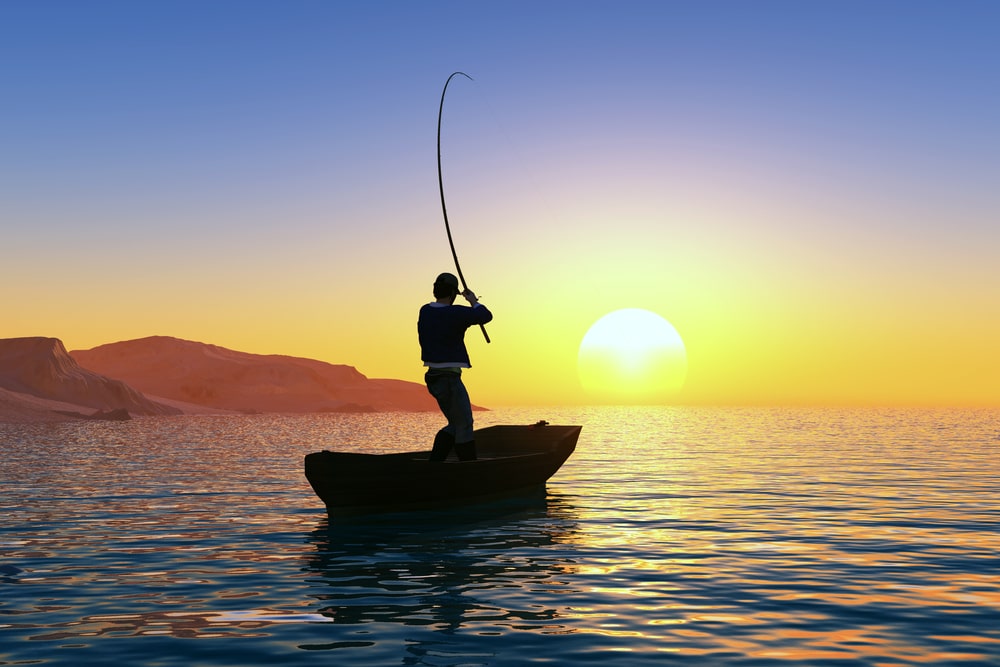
point(510, 459)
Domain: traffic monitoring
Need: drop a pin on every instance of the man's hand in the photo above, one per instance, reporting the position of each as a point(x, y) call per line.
point(470, 296)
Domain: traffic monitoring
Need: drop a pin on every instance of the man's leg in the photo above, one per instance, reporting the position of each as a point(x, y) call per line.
point(461, 419)
point(443, 442)
point(439, 386)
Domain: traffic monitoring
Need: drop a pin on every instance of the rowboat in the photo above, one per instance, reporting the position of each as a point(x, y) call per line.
point(511, 459)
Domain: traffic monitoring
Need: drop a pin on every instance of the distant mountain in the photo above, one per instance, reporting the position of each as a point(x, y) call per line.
point(39, 379)
point(181, 371)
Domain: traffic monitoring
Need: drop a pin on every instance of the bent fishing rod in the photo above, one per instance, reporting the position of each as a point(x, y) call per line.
point(444, 207)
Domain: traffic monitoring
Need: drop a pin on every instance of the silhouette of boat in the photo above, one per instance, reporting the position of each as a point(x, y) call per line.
point(511, 459)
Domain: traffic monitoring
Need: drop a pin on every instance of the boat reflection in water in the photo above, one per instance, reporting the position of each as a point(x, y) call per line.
point(474, 568)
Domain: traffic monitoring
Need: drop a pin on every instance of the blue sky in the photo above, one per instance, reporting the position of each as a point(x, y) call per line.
point(194, 96)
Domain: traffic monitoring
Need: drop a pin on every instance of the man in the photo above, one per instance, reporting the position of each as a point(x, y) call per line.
point(441, 329)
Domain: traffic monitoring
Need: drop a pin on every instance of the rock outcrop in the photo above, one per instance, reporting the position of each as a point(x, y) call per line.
point(40, 368)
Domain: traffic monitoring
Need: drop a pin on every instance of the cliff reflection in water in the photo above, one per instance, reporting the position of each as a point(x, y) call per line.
point(479, 565)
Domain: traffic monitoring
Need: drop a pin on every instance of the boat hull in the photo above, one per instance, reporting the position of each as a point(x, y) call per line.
point(511, 459)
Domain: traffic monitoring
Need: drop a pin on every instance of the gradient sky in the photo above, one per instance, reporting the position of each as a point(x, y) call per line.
point(808, 191)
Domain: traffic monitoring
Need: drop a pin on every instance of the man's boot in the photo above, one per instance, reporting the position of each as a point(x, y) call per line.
point(466, 450)
point(443, 442)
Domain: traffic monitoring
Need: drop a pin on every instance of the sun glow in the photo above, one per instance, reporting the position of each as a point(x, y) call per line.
point(632, 356)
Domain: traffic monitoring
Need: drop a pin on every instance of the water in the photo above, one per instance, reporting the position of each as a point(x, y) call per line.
point(672, 536)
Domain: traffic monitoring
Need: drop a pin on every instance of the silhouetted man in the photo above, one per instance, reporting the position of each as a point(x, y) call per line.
point(441, 329)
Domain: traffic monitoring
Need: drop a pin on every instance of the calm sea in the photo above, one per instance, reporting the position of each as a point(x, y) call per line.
point(672, 536)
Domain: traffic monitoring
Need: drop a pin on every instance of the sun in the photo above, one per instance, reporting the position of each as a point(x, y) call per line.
point(632, 356)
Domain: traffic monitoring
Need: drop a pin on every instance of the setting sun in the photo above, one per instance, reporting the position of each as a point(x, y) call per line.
point(632, 356)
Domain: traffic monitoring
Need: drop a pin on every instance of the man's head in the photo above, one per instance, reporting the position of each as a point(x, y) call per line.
point(445, 286)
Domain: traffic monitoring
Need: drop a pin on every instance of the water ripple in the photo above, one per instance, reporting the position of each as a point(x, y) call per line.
point(736, 537)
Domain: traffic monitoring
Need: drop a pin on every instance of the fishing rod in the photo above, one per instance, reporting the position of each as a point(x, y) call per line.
point(444, 207)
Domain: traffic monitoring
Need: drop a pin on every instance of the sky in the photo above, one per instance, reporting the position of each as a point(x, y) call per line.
point(809, 192)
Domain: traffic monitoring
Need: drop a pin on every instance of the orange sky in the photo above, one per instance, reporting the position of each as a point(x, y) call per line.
point(819, 226)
